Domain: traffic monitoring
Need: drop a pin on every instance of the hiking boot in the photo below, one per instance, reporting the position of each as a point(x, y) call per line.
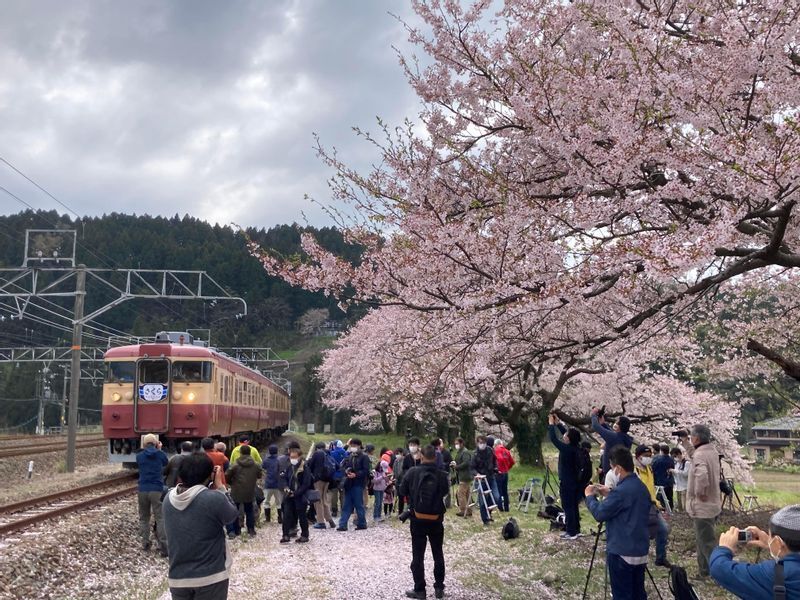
point(439, 592)
point(663, 562)
point(301, 540)
point(285, 540)
point(415, 594)
point(251, 532)
point(320, 526)
point(341, 529)
point(231, 536)
point(359, 527)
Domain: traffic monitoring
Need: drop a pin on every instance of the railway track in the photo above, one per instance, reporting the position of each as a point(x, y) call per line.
point(32, 511)
point(32, 449)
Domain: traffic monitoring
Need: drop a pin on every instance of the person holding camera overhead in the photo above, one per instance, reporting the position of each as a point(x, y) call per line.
point(612, 436)
point(761, 581)
point(567, 442)
point(426, 487)
point(703, 502)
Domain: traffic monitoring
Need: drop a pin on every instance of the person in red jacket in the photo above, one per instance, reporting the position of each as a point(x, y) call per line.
point(505, 462)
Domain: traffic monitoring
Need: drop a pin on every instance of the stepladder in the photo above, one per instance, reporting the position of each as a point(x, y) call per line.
point(481, 487)
point(532, 492)
point(661, 495)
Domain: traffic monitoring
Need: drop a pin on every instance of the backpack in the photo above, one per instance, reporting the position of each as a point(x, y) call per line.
point(428, 501)
point(328, 467)
point(511, 529)
point(679, 584)
point(584, 466)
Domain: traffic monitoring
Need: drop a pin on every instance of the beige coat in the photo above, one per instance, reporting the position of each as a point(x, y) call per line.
point(703, 481)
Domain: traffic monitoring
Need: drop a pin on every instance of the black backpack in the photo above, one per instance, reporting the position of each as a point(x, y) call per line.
point(328, 467)
point(679, 584)
point(511, 529)
point(428, 500)
point(584, 466)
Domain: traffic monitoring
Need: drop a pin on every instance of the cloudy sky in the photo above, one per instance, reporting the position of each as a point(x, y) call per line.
point(193, 106)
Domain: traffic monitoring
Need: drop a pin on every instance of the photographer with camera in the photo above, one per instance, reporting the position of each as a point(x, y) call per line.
point(703, 502)
point(567, 442)
point(625, 511)
point(426, 487)
point(614, 436)
point(764, 580)
point(484, 464)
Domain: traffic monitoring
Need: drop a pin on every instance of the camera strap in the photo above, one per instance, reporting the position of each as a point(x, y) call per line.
point(778, 587)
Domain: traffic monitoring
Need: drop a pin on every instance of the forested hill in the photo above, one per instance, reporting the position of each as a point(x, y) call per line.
point(128, 241)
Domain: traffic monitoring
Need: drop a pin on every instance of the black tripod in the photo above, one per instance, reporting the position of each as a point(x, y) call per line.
point(547, 482)
point(605, 570)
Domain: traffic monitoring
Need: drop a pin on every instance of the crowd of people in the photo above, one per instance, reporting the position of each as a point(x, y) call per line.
point(638, 487)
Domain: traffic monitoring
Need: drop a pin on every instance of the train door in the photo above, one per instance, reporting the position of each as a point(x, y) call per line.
point(151, 401)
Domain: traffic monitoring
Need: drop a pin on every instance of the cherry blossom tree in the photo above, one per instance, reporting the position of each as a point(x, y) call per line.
point(583, 172)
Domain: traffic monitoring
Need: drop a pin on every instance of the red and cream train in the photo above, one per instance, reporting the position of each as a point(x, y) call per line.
point(183, 391)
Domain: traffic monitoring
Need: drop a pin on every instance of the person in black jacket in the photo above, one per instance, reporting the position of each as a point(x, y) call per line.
point(567, 442)
point(356, 468)
point(298, 480)
point(426, 487)
point(484, 463)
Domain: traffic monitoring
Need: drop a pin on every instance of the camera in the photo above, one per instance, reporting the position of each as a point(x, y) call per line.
point(744, 536)
point(680, 433)
point(403, 516)
point(602, 412)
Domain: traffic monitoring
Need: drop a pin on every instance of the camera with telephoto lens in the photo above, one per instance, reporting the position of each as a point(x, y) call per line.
point(744, 536)
point(602, 412)
point(680, 433)
point(403, 516)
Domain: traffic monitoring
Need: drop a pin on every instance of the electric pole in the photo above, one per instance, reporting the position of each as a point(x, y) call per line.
point(75, 382)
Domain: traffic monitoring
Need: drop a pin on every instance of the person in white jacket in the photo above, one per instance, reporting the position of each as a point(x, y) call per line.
point(681, 475)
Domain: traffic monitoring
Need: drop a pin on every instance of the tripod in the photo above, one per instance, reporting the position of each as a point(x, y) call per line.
point(547, 483)
point(605, 570)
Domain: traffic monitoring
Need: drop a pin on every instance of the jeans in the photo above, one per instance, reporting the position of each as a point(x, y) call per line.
point(662, 537)
point(249, 518)
point(570, 502)
point(292, 513)
point(627, 581)
point(353, 500)
point(706, 539)
point(376, 511)
point(482, 500)
point(423, 532)
point(502, 491)
point(215, 591)
point(150, 502)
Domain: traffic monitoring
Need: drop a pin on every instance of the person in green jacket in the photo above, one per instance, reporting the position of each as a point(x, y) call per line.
point(461, 464)
point(244, 440)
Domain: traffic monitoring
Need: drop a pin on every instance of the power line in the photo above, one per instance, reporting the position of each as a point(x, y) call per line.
point(39, 187)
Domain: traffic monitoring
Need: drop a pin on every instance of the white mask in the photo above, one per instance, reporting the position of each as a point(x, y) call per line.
point(294, 461)
point(458, 446)
point(413, 449)
point(771, 553)
point(646, 460)
point(481, 446)
point(353, 449)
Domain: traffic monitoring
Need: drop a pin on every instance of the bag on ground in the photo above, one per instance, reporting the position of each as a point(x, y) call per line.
point(679, 584)
point(511, 529)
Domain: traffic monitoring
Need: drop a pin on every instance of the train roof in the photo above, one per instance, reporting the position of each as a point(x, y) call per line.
point(185, 351)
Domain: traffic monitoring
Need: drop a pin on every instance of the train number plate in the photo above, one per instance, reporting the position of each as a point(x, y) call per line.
point(152, 392)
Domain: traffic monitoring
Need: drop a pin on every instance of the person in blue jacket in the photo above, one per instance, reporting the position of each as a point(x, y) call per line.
point(335, 490)
point(272, 487)
point(616, 436)
point(567, 443)
point(758, 581)
point(625, 512)
point(151, 461)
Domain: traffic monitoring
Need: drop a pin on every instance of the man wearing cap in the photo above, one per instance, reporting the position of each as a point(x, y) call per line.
point(612, 436)
point(244, 440)
point(151, 461)
point(770, 578)
point(657, 526)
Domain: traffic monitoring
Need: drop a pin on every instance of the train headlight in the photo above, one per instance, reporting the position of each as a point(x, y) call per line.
point(191, 396)
point(177, 394)
point(129, 396)
point(116, 397)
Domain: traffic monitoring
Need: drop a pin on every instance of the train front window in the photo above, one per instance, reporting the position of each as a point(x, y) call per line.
point(120, 372)
point(191, 371)
point(154, 371)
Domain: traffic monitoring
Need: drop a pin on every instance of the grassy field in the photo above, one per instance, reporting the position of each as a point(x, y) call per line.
point(495, 568)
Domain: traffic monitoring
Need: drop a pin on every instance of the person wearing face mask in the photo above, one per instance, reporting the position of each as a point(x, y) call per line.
point(625, 511)
point(657, 524)
point(295, 496)
point(356, 467)
point(703, 502)
point(461, 463)
point(612, 436)
point(759, 581)
point(484, 464)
